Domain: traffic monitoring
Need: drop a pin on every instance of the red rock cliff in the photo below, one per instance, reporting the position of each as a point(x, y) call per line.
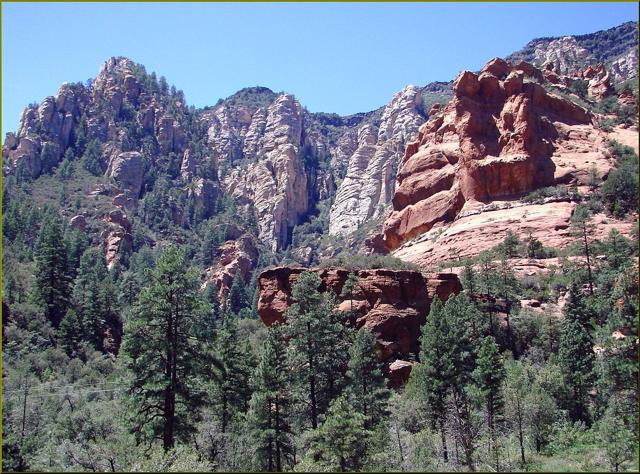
point(494, 139)
point(392, 304)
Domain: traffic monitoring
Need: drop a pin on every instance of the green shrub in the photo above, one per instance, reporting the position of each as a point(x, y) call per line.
point(620, 190)
point(360, 261)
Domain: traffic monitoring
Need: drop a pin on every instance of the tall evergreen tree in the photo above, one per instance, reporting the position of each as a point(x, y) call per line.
point(489, 375)
point(581, 227)
point(316, 351)
point(341, 443)
point(540, 410)
point(52, 289)
point(237, 294)
point(93, 307)
point(76, 243)
point(231, 387)
point(269, 417)
point(576, 357)
point(465, 329)
point(71, 333)
point(429, 380)
point(516, 386)
point(163, 354)
point(619, 441)
point(366, 387)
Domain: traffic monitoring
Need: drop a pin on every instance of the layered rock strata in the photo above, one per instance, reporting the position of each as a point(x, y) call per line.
point(392, 304)
point(501, 136)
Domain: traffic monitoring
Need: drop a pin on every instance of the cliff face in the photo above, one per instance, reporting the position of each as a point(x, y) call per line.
point(502, 136)
point(392, 304)
point(275, 178)
point(370, 180)
point(495, 139)
point(616, 48)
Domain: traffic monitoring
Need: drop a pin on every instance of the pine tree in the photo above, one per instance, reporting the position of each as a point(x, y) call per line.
point(129, 289)
point(269, 417)
point(48, 157)
point(341, 443)
point(619, 441)
point(51, 288)
point(489, 375)
point(231, 387)
point(76, 243)
point(507, 287)
point(516, 386)
point(576, 357)
point(71, 333)
point(208, 325)
point(535, 249)
point(162, 353)
point(581, 227)
point(487, 284)
point(366, 387)
point(251, 222)
point(237, 294)
point(540, 408)
point(316, 351)
point(469, 279)
point(465, 328)
point(510, 245)
point(91, 158)
point(93, 307)
point(429, 380)
point(349, 286)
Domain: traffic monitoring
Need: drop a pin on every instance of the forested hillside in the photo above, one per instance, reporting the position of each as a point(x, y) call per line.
point(449, 282)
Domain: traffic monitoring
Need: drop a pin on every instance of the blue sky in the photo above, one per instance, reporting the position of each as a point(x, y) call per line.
point(342, 58)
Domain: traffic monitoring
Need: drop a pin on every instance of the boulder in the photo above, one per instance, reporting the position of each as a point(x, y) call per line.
point(78, 222)
point(398, 372)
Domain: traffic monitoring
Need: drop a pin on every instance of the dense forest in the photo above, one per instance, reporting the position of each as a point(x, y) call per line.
point(201, 384)
point(121, 353)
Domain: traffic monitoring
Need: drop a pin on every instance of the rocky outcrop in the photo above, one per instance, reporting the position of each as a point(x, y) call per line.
point(235, 257)
point(392, 304)
point(599, 82)
point(494, 140)
point(565, 54)
point(627, 98)
point(625, 67)
point(51, 122)
point(470, 235)
point(276, 181)
point(117, 236)
point(369, 183)
point(127, 170)
point(204, 194)
point(616, 48)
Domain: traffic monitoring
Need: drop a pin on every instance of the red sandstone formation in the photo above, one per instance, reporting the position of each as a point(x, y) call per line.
point(392, 304)
point(494, 140)
point(626, 98)
point(599, 81)
point(235, 257)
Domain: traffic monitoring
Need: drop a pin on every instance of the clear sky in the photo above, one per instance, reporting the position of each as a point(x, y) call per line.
point(342, 58)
